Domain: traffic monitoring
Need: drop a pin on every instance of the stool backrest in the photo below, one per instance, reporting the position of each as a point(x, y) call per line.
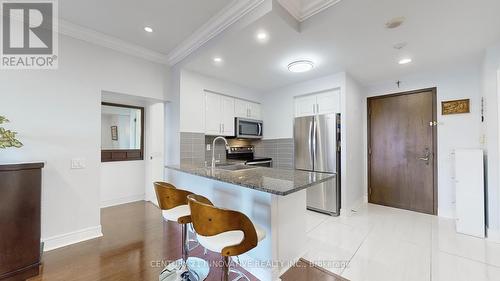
point(209, 220)
point(169, 196)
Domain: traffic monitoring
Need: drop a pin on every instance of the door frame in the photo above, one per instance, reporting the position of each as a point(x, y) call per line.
point(434, 140)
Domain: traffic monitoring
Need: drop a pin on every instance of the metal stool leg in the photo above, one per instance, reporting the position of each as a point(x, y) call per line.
point(188, 268)
point(225, 269)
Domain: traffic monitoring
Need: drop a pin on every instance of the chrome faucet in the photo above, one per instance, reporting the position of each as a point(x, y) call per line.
point(213, 148)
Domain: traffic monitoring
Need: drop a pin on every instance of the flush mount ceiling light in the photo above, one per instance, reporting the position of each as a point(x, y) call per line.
point(395, 22)
point(148, 29)
point(262, 36)
point(404, 61)
point(300, 66)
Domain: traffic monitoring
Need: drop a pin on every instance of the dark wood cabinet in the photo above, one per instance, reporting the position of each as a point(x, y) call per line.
point(20, 202)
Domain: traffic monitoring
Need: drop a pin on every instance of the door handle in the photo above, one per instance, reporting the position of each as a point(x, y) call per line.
point(315, 140)
point(311, 153)
point(427, 156)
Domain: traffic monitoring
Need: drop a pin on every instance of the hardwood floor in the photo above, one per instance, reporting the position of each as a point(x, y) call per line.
point(135, 243)
point(135, 246)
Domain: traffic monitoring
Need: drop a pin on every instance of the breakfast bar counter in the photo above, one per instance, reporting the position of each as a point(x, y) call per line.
point(274, 199)
point(275, 181)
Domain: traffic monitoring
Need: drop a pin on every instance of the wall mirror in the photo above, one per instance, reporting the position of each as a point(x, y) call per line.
point(122, 132)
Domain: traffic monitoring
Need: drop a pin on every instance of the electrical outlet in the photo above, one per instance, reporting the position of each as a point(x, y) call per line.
point(78, 163)
point(208, 147)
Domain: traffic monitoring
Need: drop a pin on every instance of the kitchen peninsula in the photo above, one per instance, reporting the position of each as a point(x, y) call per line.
point(274, 199)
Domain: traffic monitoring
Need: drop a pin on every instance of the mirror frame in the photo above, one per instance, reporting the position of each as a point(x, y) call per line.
point(113, 155)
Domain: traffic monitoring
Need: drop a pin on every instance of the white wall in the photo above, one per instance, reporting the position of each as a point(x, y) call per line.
point(490, 84)
point(278, 115)
point(57, 115)
point(122, 182)
point(354, 143)
point(192, 101)
point(454, 131)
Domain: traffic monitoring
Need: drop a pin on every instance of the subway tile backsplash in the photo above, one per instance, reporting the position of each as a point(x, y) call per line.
point(281, 150)
point(193, 149)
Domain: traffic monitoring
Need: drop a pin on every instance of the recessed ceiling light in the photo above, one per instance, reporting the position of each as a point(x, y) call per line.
point(262, 36)
point(148, 29)
point(217, 59)
point(395, 22)
point(300, 66)
point(404, 61)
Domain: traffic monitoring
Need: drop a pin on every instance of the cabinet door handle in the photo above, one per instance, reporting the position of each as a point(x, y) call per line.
point(317, 108)
point(314, 108)
point(222, 127)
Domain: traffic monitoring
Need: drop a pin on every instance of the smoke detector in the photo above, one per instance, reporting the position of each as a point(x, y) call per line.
point(395, 22)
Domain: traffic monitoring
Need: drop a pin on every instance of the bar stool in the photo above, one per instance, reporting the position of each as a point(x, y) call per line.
point(227, 232)
point(173, 203)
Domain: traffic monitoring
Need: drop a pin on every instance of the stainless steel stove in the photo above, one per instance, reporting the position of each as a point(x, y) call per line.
point(246, 154)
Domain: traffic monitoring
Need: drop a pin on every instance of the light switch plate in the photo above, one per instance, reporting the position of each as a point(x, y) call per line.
point(78, 163)
point(208, 147)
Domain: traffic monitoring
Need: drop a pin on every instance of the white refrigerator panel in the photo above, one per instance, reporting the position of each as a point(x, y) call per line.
point(469, 183)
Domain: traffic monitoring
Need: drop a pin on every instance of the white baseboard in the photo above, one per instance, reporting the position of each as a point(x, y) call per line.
point(493, 235)
point(122, 200)
point(66, 239)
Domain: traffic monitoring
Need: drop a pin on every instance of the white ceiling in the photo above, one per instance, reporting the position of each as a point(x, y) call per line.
point(351, 36)
point(172, 20)
point(303, 9)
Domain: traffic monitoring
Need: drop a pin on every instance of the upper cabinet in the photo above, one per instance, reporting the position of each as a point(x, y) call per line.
point(219, 115)
point(322, 103)
point(247, 109)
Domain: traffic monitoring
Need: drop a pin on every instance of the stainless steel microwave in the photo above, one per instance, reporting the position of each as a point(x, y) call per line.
point(248, 128)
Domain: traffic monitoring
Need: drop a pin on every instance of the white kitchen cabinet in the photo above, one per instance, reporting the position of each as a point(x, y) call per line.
point(322, 103)
point(246, 109)
point(305, 106)
point(469, 186)
point(240, 108)
point(254, 110)
point(219, 115)
point(227, 116)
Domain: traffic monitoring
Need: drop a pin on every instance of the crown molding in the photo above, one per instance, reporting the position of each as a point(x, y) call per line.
point(304, 9)
point(316, 6)
point(217, 24)
point(101, 39)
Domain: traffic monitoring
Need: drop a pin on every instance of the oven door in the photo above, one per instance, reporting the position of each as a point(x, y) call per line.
point(248, 128)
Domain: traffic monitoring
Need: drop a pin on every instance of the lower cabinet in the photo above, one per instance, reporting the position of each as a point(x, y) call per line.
point(20, 201)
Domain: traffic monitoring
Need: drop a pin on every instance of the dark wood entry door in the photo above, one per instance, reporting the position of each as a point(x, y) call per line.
point(402, 149)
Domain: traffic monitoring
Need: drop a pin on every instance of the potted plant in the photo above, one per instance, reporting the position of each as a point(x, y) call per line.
point(7, 137)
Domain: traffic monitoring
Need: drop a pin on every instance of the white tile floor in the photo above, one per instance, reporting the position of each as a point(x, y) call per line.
point(381, 243)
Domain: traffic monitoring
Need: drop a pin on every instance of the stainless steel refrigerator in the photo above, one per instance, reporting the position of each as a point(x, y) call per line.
point(317, 149)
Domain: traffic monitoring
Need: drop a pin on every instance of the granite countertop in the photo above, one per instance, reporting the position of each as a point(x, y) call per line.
point(275, 181)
